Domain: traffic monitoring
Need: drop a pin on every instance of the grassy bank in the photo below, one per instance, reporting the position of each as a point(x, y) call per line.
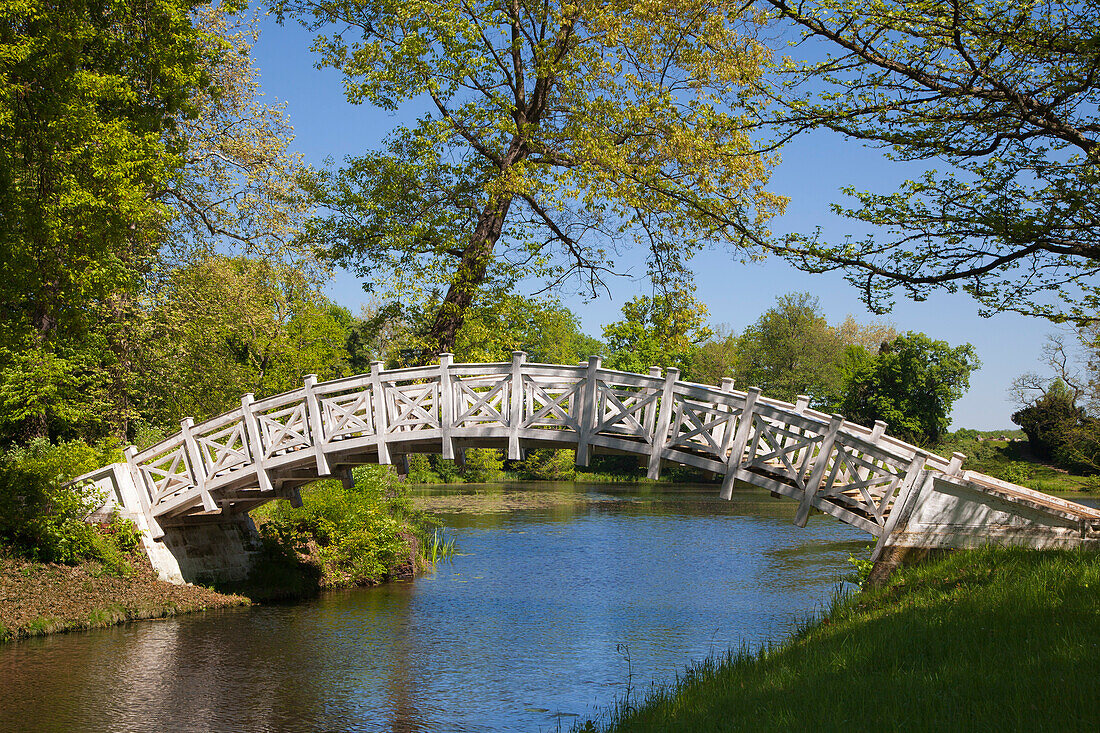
point(44, 598)
point(982, 640)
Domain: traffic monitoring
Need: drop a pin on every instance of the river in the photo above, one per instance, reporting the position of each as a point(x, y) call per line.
point(547, 615)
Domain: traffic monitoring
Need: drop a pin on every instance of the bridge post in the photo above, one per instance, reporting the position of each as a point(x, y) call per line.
point(817, 476)
point(255, 443)
point(740, 440)
point(381, 421)
point(588, 416)
point(664, 422)
point(915, 479)
point(198, 467)
point(447, 405)
point(141, 489)
point(515, 405)
point(315, 418)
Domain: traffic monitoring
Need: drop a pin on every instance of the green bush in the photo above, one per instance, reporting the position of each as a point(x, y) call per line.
point(550, 465)
point(41, 519)
point(420, 470)
point(483, 465)
point(357, 536)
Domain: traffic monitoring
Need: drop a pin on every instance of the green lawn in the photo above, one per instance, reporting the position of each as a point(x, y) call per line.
point(985, 640)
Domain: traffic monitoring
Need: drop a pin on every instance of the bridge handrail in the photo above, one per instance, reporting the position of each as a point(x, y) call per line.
point(849, 470)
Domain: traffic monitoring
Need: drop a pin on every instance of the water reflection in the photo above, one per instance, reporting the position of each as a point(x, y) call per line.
point(531, 624)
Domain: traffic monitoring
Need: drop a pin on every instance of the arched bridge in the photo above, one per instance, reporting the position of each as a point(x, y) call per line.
point(266, 449)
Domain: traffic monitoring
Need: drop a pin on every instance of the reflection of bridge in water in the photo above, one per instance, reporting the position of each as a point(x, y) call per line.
point(214, 472)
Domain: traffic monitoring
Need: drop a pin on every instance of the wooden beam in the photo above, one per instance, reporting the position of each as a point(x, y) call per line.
point(196, 463)
point(255, 443)
point(144, 492)
point(916, 478)
point(817, 476)
point(315, 419)
point(515, 404)
point(588, 417)
point(381, 419)
point(740, 440)
point(664, 421)
point(447, 395)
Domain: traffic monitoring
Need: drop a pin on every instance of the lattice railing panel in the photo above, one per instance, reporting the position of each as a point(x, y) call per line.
point(224, 450)
point(167, 474)
point(783, 449)
point(481, 401)
point(625, 410)
point(284, 429)
point(702, 427)
point(412, 407)
point(552, 404)
point(348, 415)
point(864, 483)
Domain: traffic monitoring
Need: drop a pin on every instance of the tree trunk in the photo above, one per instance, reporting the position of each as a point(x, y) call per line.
point(471, 274)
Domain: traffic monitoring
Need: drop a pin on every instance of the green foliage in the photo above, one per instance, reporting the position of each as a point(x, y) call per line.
point(911, 385)
point(1061, 432)
point(224, 326)
point(357, 536)
point(549, 465)
point(88, 93)
point(483, 465)
point(1005, 93)
point(42, 520)
point(664, 330)
point(792, 350)
point(553, 133)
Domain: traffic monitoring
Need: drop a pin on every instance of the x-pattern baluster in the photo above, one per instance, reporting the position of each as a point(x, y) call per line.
point(616, 412)
point(478, 407)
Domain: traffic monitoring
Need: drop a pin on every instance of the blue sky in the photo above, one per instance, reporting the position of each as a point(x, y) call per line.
point(812, 171)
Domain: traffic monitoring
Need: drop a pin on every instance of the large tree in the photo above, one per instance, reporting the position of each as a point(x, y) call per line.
point(553, 133)
point(911, 384)
point(660, 330)
point(1006, 93)
point(89, 94)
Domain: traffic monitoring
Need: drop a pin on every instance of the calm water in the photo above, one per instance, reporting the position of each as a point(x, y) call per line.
point(547, 614)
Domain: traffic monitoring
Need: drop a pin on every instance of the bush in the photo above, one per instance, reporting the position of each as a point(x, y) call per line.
point(357, 536)
point(41, 519)
point(550, 465)
point(483, 465)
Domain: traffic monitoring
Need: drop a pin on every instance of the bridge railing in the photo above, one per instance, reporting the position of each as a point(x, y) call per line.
point(852, 472)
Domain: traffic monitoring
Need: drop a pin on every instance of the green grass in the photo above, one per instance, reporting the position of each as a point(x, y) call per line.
point(989, 639)
point(1011, 461)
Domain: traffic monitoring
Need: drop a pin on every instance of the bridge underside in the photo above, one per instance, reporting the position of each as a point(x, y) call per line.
point(215, 472)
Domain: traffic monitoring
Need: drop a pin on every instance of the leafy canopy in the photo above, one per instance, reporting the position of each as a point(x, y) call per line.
point(555, 133)
point(1007, 94)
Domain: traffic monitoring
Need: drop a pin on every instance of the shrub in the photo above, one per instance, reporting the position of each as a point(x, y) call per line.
point(483, 465)
point(550, 465)
point(42, 519)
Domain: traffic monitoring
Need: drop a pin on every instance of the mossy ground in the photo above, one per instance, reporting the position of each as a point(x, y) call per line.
point(44, 598)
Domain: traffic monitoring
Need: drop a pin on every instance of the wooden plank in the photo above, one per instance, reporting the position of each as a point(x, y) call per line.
point(447, 405)
point(664, 422)
point(817, 476)
point(588, 409)
point(740, 440)
point(315, 420)
point(515, 405)
point(381, 419)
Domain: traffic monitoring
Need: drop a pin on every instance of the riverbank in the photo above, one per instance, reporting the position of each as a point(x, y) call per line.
point(45, 598)
point(993, 638)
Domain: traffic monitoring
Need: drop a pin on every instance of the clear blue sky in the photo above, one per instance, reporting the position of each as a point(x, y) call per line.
point(812, 171)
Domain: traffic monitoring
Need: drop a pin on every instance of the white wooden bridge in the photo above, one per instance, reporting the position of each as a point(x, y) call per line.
point(216, 471)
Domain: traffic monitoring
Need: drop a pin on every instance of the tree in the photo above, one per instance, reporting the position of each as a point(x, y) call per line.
point(911, 385)
point(229, 325)
point(555, 132)
point(716, 358)
point(791, 350)
point(89, 93)
point(662, 330)
point(1007, 94)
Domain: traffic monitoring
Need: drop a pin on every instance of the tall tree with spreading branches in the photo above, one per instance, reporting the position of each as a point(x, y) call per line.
point(1005, 92)
point(554, 135)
